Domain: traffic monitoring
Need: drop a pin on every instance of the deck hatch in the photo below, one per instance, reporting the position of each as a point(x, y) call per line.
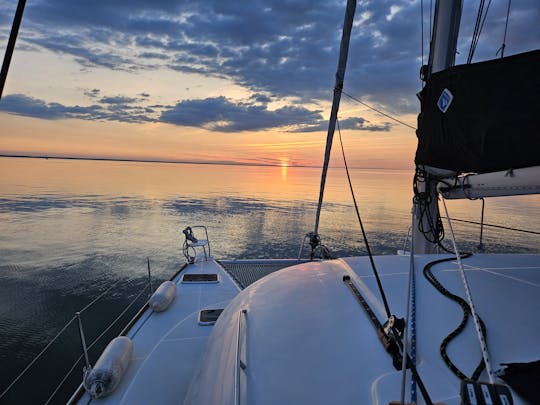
point(209, 316)
point(200, 278)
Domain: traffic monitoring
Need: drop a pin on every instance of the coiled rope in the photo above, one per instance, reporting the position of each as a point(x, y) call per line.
point(480, 328)
point(466, 312)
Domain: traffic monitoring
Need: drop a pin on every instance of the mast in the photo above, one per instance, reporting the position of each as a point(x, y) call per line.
point(338, 87)
point(11, 43)
point(442, 53)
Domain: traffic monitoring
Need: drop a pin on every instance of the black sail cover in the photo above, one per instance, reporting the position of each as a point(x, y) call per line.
point(482, 117)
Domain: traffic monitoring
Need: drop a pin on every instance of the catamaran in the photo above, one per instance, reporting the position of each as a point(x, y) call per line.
point(423, 327)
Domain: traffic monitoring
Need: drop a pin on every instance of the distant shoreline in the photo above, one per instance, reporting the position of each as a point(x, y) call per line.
point(181, 162)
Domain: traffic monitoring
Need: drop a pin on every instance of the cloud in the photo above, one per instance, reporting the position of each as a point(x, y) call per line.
point(357, 124)
point(286, 49)
point(217, 114)
point(223, 115)
point(118, 100)
point(20, 104)
point(93, 93)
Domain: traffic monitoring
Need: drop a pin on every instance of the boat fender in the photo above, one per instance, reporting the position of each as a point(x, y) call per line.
point(110, 368)
point(163, 296)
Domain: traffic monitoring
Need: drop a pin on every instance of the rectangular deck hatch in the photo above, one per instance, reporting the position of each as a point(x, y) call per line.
point(209, 316)
point(200, 278)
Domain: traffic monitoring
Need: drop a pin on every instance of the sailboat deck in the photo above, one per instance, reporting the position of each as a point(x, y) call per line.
point(169, 346)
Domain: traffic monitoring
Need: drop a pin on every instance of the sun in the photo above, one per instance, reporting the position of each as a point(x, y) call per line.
point(284, 163)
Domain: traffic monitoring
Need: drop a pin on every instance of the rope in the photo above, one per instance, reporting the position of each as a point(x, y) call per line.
point(376, 110)
point(36, 358)
point(379, 284)
point(413, 323)
point(431, 228)
point(466, 312)
point(410, 320)
point(480, 331)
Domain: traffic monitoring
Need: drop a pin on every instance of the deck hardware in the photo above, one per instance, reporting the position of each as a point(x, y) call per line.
point(149, 277)
point(388, 343)
point(209, 316)
point(483, 393)
point(207, 278)
point(192, 243)
point(83, 342)
point(392, 343)
point(240, 363)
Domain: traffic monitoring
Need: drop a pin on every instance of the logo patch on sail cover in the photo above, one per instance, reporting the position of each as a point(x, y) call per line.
point(445, 100)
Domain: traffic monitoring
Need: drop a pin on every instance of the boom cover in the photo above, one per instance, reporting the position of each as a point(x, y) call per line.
point(482, 117)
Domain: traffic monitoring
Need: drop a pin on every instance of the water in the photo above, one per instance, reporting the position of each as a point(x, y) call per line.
point(71, 229)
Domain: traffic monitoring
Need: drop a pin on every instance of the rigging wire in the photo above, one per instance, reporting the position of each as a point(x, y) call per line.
point(503, 46)
point(480, 20)
point(377, 110)
point(379, 284)
point(495, 226)
point(475, 32)
point(430, 19)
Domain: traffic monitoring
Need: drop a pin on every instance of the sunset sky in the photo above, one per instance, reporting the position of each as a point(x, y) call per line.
point(224, 81)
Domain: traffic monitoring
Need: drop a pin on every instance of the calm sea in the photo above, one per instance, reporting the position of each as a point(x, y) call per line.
point(71, 229)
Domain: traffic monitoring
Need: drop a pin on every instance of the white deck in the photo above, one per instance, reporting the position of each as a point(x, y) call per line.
point(306, 340)
point(168, 345)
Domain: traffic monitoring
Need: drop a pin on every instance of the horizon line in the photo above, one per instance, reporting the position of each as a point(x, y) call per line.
point(194, 162)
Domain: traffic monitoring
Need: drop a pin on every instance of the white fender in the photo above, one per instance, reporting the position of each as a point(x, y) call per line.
point(163, 296)
point(110, 368)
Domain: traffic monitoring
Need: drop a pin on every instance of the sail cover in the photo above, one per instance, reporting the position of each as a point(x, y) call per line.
point(482, 117)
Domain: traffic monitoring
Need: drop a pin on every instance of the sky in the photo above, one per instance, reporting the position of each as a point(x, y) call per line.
point(226, 81)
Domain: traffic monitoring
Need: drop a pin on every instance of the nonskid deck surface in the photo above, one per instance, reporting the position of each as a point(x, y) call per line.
point(307, 339)
point(506, 293)
point(169, 346)
point(246, 272)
